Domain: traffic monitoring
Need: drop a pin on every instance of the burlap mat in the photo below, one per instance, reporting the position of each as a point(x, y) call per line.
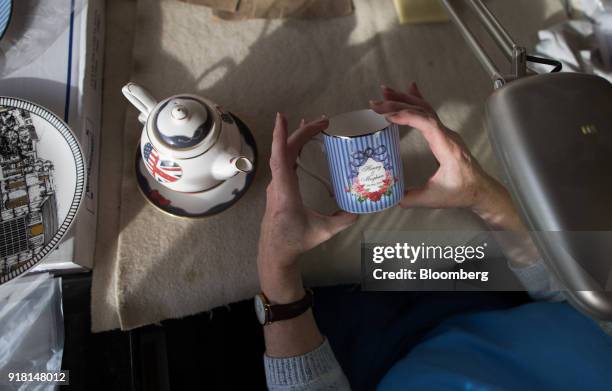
point(167, 267)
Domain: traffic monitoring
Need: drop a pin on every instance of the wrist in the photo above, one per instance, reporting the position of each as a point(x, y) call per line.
point(280, 280)
point(496, 208)
point(491, 200)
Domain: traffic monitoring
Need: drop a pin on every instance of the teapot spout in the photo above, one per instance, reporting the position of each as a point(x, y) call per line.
point(243, 164)
point(226, 166)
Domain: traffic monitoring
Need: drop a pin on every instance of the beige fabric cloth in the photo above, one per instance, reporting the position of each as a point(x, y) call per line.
point(120, 21)
point(167, 267)
point(248, 9)
point(223, 5)
point(270, 9)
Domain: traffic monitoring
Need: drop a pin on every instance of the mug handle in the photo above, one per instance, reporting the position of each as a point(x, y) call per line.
point(327, 184)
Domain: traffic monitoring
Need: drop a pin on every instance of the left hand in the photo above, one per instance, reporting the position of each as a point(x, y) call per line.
point(288, 227)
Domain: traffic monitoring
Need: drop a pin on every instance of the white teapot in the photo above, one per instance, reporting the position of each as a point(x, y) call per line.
point(188, 143)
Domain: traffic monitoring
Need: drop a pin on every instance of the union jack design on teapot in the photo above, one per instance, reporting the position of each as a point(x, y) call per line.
point(164, 171)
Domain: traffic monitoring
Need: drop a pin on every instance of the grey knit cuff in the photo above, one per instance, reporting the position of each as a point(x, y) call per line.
point(534, 277)
point(300, 370)
point(538, 281)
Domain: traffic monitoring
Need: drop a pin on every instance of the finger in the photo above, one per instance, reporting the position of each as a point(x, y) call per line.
point(340, 221)
point(300, 137)
point(428, 126)
point(418, 198)
point(337, 222)
point(391, 94)
point(413, 89)
point(390, 106)
point(415, 118)
point(278, 157)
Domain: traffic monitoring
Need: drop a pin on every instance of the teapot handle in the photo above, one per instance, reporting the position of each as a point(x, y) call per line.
point(141, 99)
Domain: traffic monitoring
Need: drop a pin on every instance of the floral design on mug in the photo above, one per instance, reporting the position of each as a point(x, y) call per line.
point(358, 189)
point(371, 175)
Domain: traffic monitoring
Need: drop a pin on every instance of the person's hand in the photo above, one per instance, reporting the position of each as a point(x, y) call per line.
point(288, 227)
point(459, 182)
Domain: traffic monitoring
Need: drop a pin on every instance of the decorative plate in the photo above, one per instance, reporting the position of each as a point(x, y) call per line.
point(42, 182)
point(201, 204)
point(6, 9)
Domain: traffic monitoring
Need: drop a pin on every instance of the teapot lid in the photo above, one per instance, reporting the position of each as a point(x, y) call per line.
point(182, 124)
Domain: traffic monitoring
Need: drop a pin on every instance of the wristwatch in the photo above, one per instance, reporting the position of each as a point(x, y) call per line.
point(268, 313)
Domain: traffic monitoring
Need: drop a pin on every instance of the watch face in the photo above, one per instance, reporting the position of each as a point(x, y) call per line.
point(260, 309)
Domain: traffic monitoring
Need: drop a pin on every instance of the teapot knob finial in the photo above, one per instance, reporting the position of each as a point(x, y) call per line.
point(179, 112)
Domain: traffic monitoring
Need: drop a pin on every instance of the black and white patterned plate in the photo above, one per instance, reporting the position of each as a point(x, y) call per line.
point(42, 183)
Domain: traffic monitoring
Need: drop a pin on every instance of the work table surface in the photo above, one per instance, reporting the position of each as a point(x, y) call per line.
point(150, 266)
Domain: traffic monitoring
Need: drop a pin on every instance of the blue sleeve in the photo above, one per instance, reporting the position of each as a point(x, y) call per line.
point(537, 346)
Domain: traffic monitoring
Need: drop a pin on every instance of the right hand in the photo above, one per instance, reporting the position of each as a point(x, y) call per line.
point(459, 182)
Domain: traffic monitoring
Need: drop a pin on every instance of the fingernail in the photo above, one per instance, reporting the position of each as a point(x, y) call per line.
point(323, 116)
point(375, 102)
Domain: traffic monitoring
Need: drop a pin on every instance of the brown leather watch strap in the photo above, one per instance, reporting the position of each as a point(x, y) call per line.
point(278, 312)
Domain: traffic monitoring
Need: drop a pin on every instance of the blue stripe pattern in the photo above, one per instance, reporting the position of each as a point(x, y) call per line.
point(5, 15)
point(346, 155)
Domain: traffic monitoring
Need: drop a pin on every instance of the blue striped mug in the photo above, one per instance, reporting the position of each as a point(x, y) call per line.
point(364, 161)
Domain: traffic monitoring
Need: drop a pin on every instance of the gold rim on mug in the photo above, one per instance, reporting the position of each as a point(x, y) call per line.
point(360, 135)
point(373, 132)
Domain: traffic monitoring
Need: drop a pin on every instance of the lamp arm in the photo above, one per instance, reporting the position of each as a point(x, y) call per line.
point(503, 40)
point(516, 54)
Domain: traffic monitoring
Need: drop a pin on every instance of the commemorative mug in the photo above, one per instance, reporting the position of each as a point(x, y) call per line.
point(364, 161)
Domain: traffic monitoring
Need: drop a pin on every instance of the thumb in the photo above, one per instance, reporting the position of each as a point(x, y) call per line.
point(339, 221)
point(417, 198)
point(413, 89)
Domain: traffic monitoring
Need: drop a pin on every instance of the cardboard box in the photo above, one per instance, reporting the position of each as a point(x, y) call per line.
point(66, 78)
